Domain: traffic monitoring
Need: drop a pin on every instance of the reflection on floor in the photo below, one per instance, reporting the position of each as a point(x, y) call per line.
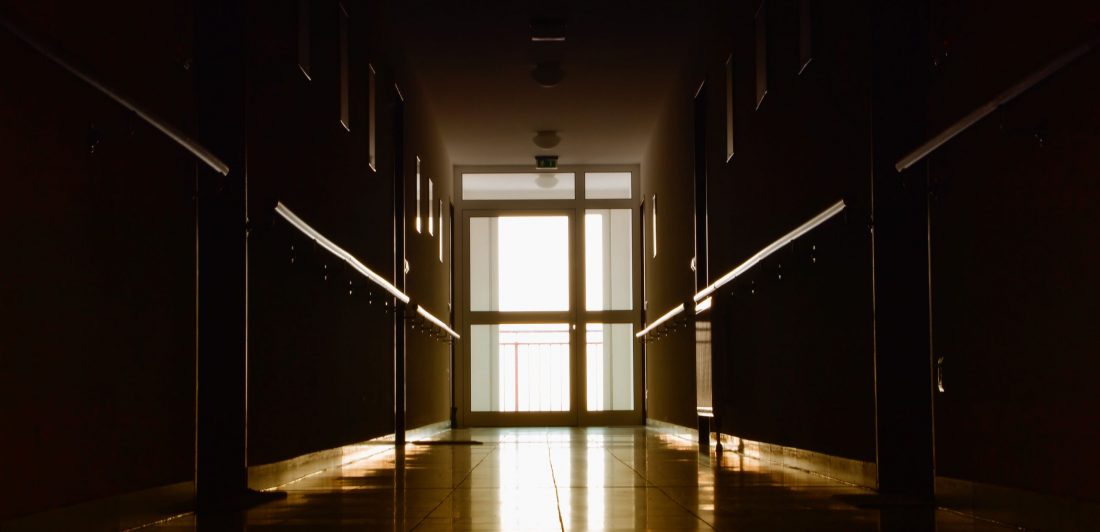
point(626, 478)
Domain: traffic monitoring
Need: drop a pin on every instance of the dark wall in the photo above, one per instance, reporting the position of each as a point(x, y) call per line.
point(1014, 231)
point(667, 173)
point(1011, 229)
point(795, 334)
point(799, 353)
point(98, 357)
point(321, 358)
point(98, 302)
point(428, 377)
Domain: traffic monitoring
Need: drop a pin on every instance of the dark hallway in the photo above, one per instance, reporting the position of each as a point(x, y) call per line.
point(551, 264)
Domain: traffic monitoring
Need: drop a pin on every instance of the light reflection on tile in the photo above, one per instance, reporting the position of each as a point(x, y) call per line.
point(622, 478)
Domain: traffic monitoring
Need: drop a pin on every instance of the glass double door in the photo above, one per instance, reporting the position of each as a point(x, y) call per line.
point(551, 317)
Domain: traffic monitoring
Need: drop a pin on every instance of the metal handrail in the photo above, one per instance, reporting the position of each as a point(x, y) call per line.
point(769, 249)
point(703, 300)
point(660, 321)
point(1001, 99)
point(436, 321)
point(340, 253)
point(50, 52)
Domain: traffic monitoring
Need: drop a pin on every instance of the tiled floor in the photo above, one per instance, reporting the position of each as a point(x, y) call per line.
point(627, 478)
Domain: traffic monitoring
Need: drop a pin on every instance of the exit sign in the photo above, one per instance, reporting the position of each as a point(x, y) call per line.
point(546, 162)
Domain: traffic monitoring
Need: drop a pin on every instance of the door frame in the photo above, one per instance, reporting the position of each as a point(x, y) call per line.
point(576, 316)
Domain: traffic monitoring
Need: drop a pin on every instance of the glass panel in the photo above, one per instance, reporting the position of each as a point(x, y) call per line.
point(345, 117)
point(610, 365)
point(518, 186)
point(417, 194)
point(653, 210)
point(607, 259)
point(607, 185)
point(519, 367)
point(519, 263)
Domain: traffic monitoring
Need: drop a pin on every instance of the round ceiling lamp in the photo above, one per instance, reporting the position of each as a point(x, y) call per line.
point(546, 139)
point(546, 181)
point(548, 73)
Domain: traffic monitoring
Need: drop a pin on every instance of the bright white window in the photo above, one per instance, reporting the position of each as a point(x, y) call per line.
point(431, 207)
point(654, 210)
point(519, 263)
point(607, 185)
point(519, 367)
point(607, 265)
point(518, 186)
point(609, 350)
point(418, 194)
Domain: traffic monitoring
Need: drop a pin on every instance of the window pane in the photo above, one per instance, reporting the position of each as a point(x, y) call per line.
point(607, 185)
point(610, 366)
point(519, 263)
point(519, 368)
point(345, 117)
point(521, 186)
point(761, 53)
point(370, 117)
point(607, 257)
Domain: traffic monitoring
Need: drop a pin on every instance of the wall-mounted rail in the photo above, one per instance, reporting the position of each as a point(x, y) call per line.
point(436, 321)
point(1001, 99)
point(661, 321)
point(702, 299)
point(40, 45)
point(769, 249)
point(358, 266)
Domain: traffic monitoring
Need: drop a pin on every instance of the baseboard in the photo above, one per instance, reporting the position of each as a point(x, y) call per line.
point(846, 470)
point(119, 512)
point(673, 429)
point(1018, 507)
point(270, 477)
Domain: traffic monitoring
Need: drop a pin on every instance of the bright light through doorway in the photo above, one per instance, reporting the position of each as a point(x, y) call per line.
point(519, 263)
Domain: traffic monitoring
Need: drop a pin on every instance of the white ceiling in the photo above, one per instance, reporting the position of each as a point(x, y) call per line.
point(474, 60)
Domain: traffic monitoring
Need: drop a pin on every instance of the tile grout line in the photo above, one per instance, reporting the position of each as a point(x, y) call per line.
point(554, 477)
point(663, 492)
point(454, 489)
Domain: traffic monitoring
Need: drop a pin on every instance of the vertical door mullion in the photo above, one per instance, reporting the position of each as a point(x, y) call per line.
point(579, 381)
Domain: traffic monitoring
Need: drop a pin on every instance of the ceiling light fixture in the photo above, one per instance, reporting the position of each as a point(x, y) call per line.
point(546, 181)
point(546, 139)
point(548, 73)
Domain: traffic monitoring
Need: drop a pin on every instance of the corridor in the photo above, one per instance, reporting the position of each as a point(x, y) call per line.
point(620, 478)
point(256, 252)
